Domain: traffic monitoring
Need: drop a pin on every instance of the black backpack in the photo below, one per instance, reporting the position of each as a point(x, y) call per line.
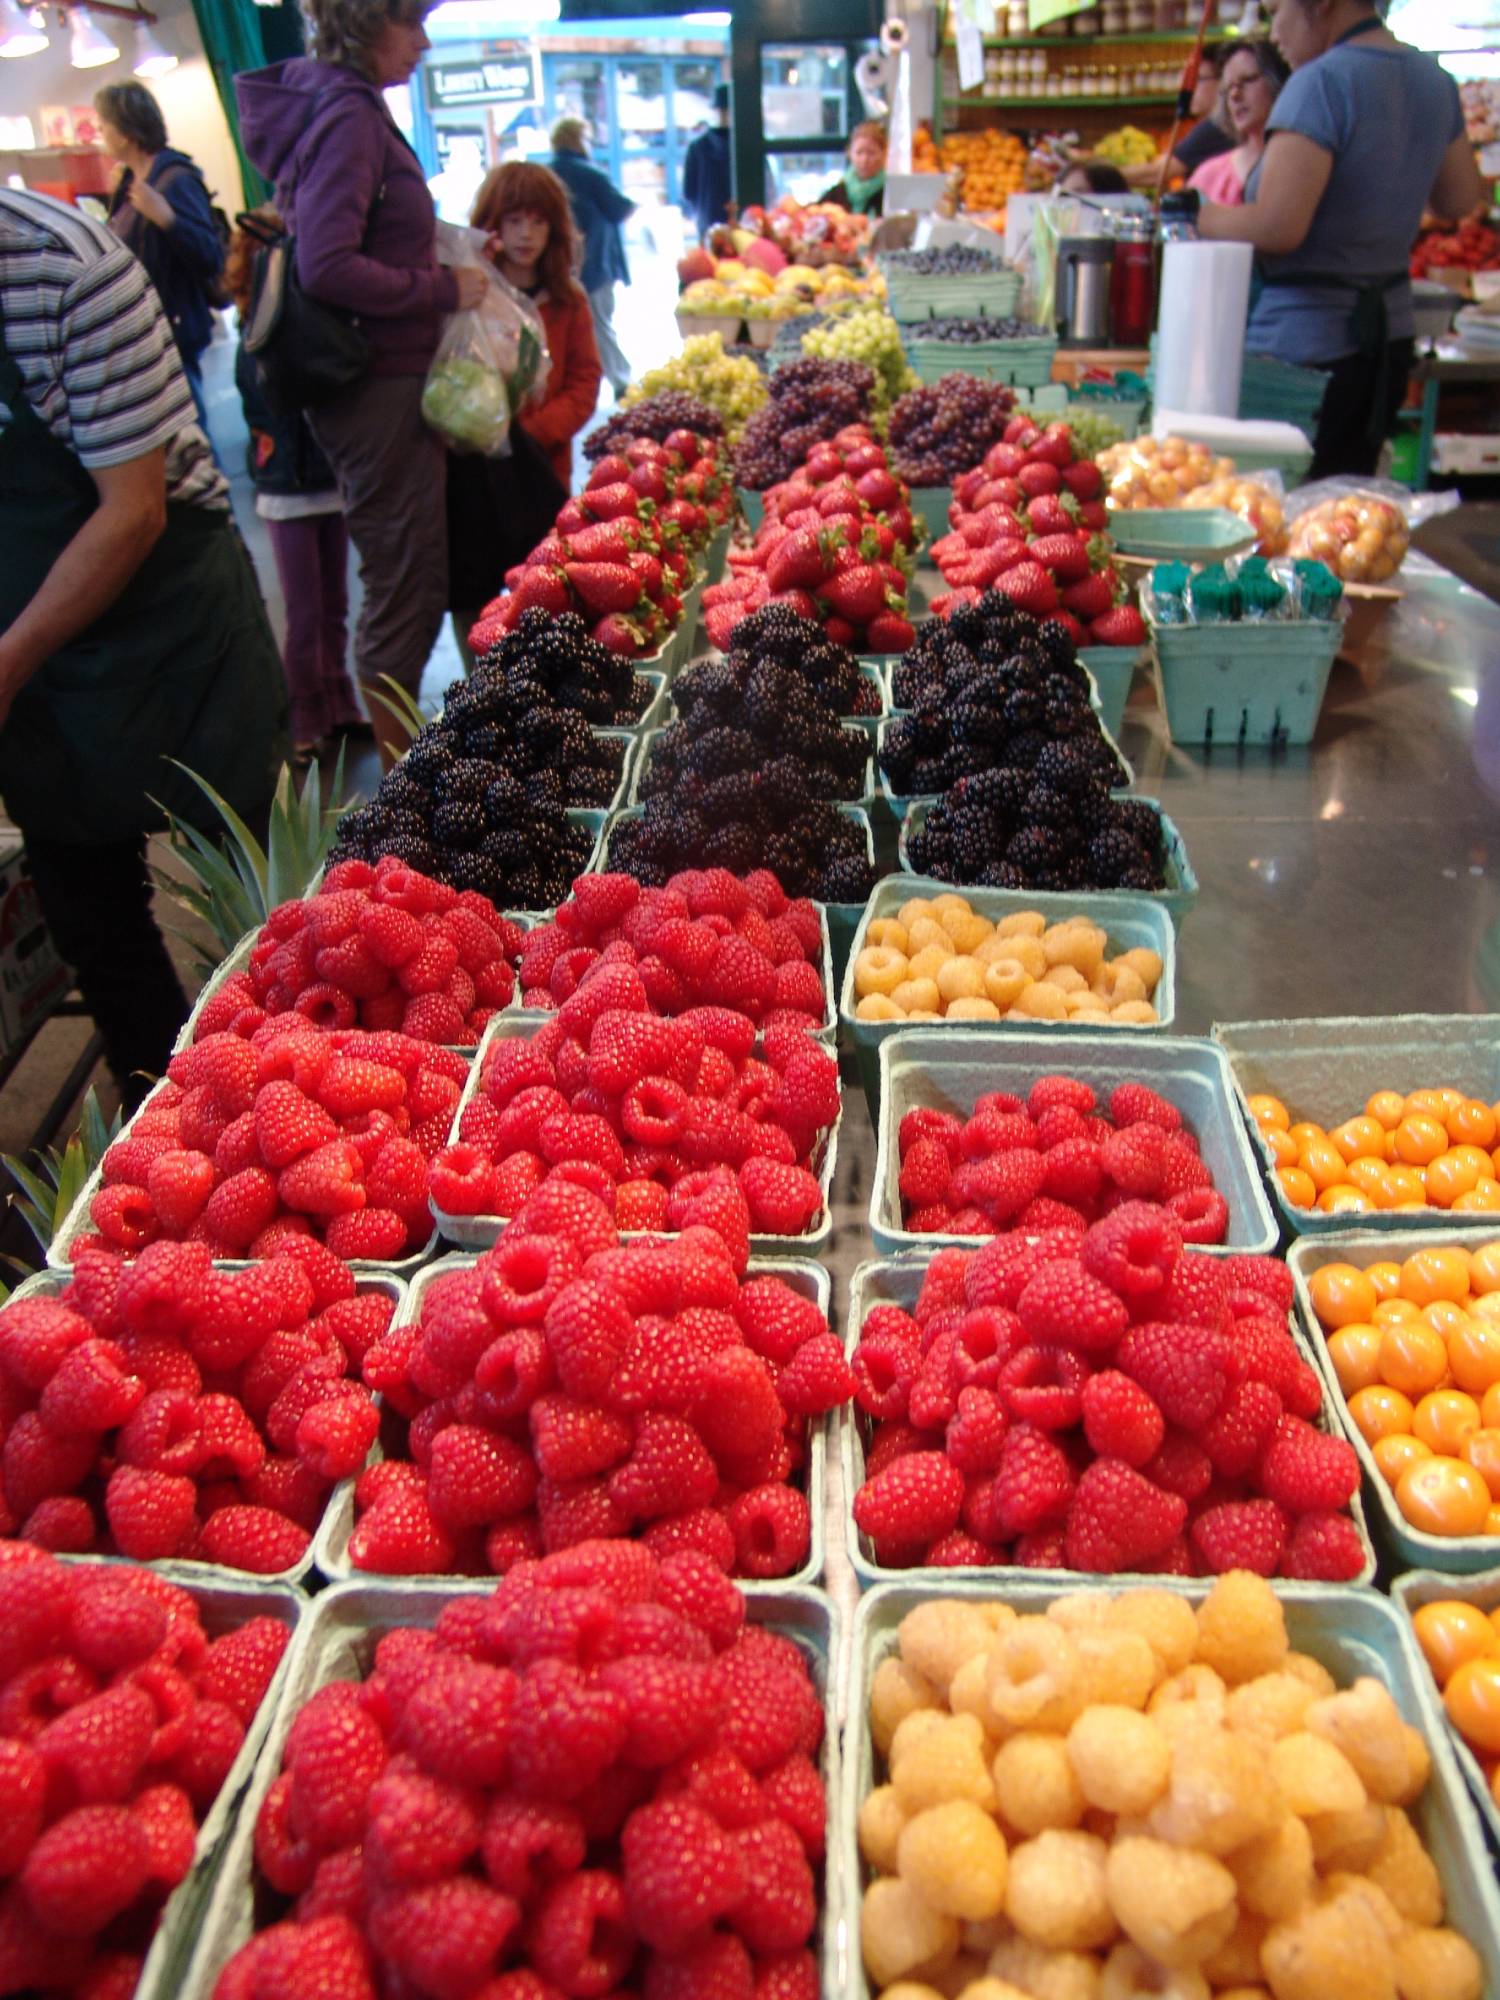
point(304, 352)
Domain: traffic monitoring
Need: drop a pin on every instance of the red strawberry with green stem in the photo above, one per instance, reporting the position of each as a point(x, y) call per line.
point(799, 561)
point(603, 587)
point(858, 594)
point(1067, 556)
point(1030, 587)
point(1123, 626)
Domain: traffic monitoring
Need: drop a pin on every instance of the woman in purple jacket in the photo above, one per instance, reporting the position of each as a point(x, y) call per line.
point(355, 199)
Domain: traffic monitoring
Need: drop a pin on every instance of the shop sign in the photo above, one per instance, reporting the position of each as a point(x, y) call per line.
point(495, 81)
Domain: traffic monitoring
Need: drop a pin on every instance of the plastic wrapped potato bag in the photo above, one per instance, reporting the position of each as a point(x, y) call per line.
point(491, 358)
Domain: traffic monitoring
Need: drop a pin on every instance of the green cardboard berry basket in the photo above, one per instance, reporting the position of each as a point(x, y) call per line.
point(1112, 669)
point(655, 710)
point(752, 506)
point(1325, 1070)
point(930, 504)
point(1353, 1633)
point(479, 1232)
point(867, 795)
point(1177, 897)
point(898, 1281)
point(900, 803)
point(1245, 681)
point(1453, 1555)
point(1157, 534)
point(948, 1069)
point(1129, 921)
point(337, 1641)
point(1481, 1588)
point(717, 553)
point(913, 297)
point(330, 1552)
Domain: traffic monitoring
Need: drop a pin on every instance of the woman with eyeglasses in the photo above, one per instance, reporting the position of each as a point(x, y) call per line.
point(1250, 78)
point(1367, 133)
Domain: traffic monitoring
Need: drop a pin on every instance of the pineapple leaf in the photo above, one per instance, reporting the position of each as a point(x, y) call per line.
point(400, 705)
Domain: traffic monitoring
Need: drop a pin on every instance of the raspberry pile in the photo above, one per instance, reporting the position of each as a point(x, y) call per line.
point(597, 1779)
point(248, 1146)
point(567, 1385)
point(166, 1409)
point(647, 1112)
point(706, 939)
point(1126, 1796)
point(795, 646)
point(1054, 1160)
point(1106, 1401)
point(120, 1720)
point(383, 949)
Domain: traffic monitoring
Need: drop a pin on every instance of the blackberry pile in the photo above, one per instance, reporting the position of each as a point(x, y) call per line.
point(1024, 715)
point(655, 417)
point(746, 731)
point(1052, 828)
point(811, 848)
point(776, 634)
point(938, 431)
point(954, 260)
point(810, 400)
point(556, 653)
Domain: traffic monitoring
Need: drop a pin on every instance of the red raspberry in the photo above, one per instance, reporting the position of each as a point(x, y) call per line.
point(668, 1472)
point(334, 1437)
point(1049, 1093)
point(784, 1200)
point(1184, 1368)
point(1266, 1278)
point(817, 1378)
point(23, 1777)
point(417, 1829)
point(254, 1539)
point(444, 1938)
point(239, 1667)
point(1134, 1158)
point(96, 1751)
point(1324, 1548)
point(885, 1366)
point(164, 1814)
point(975, 1436)
point(398, 1537)
point(1134, 1250)
point(370, 1235)
point(1307, 1471)
point(529, 1844)
point(681, 1873)
point(703, 1531)
point(1136, 1103)
point(222, 1064)
point(1032, 1488)
point(1202, 1214)
point(124, 1217)
point(912, 1503)
point(673, 1706)
point(1265, 1352)
point(780, 1904)
point(717, 1969)
point(288, 1124)
point(86, 1869)
point(179, 1183)
point(477, 1476)
point(1246, 1534)
point(152, 1515)
point(1120, 1420)
point(1063, 1304)
point(1073, 1171)
point(926, 1171)
point(1044, 1386)
point(1240, 1432)
point(574, 1440)
point(923, 1123)
point(739, 1416)
point(791, 1976)
point(772, 1531)
point(1000, 1186)
point(91, 1391)
point(579, 1937)
point(1181, 1467)
point(1119, 1519)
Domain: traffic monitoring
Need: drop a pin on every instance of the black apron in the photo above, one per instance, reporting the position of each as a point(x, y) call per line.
point(182, 665)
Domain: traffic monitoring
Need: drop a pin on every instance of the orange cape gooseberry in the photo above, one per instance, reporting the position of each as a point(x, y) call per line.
point(1443, 1496)
point(1449, 1631)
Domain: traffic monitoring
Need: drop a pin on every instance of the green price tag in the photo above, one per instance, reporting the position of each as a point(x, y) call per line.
point(1040, 12)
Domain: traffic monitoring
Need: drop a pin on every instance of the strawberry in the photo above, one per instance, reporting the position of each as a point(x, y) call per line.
point(1092, 597)
point(1051, 514)
point(1123, 626)
point(612, 467)
point(1053, 447)
point(647, 571)
point(798, 561)
point(608, 503)
point(1072, 627)
point(546, 589)
point(604, 541)
point(649, 481)
point(879, 489)
point(890, 633)
point(1004, 461)
point(620, 635)
point(1083, 479)
point(1030, 587)
point(1039, 476)
point(859, 594)
point(604, 587)
point(1093, 515)
point(1067, 556)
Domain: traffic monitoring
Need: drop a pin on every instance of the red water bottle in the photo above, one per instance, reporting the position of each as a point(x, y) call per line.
point(1132, 291)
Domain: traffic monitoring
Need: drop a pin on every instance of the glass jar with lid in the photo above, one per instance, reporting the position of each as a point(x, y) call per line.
point(1112, 17)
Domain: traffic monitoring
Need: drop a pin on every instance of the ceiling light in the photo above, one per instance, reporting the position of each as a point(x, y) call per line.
point(90, 47)
point(711, 18)
point(151, 59)
point(20, 34)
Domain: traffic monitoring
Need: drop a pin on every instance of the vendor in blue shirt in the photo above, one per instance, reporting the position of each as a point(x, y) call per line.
point(1366, 135)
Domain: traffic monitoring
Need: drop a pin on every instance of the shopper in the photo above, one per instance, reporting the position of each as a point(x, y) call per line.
point(498, 509)
point(131, 630)
point(707, 170)
point(160, 209)
point(861, 187)
point(599, 209)
point(1366, 134)
point(354, 196)
point(297, 497)
point(1250, 78)
point(1206, 139)
point(1088, 177)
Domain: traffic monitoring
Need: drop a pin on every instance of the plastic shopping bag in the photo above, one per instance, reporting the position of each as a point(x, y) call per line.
point(491, 359)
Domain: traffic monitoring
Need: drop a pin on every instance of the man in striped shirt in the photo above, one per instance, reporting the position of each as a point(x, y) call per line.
point(131, 629)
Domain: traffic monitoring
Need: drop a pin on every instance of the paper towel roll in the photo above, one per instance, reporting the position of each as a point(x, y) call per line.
point(1200, 330)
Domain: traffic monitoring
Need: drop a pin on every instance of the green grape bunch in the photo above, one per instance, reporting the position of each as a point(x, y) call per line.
point(870, 335)
point(732, 384)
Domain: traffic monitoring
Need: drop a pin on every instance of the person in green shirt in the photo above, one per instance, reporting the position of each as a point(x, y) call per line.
point(861, 187)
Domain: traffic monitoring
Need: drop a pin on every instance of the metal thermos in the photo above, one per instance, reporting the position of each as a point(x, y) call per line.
point(1084, 264)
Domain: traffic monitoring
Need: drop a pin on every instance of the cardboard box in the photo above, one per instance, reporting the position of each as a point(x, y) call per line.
point(32, 976)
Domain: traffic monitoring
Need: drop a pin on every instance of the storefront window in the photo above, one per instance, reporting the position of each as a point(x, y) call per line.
point(803, 176)
point(804, 90)
point(580, 90)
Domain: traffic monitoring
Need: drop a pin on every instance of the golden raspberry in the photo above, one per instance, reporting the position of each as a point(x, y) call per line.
point(1241, 1627)
point(1275, 1872)
point(1237, 1960)
point(1403, 1868)
point(988, 1989)
point(955, 1857)
point(896, 1691)
point(1313, 1776)
point(1344, 1886)
point(1043, 1974)
point(1117, 1667)
point(937, 1638)
point(911, 1989)
point(1056, 1892)
point(881, 1818)
point(1121, 1759)
point(969, 1691)
point(1129, 1975)
point(1306, 1668)
point(1339, 1947)
point(898, 1932)
point(1036, 1679)
point(1177, 1906)
point(1196, 1686)
point(1270, 1706)
point(1348, 1840)
point(1218, 1797)
point(1036, 1787)
point(1418, 1767)
point(1163, 1619)
point(1437, 1965)
point(946, 1760)
point(1365, 1723)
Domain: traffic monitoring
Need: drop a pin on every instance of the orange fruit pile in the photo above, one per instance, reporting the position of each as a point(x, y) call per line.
point(1461, 1644)
point(1416, 1349)
point(1426, 1149)
point(993, 163)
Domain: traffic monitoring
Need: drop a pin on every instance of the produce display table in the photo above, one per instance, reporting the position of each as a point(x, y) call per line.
point(1071, 363)
point(1447, 365)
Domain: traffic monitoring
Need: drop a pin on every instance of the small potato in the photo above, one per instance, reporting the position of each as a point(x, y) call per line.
point(918, 996)
point(1042, 1001)
point(1005, 981)
point(1143, 961)
point(924, 964)
point(879, 969)
point(1021, 923)
point(975, 1009)
point(1135, 1014)
point(960, 979)
point(927, 930)
point(1067, 978)
point(889, 931)
point(878, 1007)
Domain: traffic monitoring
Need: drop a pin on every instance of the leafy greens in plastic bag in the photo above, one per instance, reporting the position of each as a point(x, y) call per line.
point(491, 359)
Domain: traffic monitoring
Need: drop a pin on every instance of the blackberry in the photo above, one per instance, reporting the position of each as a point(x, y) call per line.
point(1111, 854)
point(898, 751)
point(1023, 709)
point(543, 788)
point(719, 750)
point(431, 754)
point(1056, 642)
point(1002, 793)
point(401, 789)
point(587, 785)
point(849, 879)
point(1093, 811)
point(1143, 878)
point(1046, 806)
point(929, 775)
point(488, 740)
point(1061, 717)
point(504, 800)
point(733, 797)
point(714, 686)
point(464, 778)
point(1003, 875)
point(973, 843)
point(635, 700)
point(403, 826)
point(1025, 747)
point(418, 854)
point(458, 823)
point(732, 846)
point(1064, 764)
point(1143, 822)
point(782, 784)
point(1036, 851)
